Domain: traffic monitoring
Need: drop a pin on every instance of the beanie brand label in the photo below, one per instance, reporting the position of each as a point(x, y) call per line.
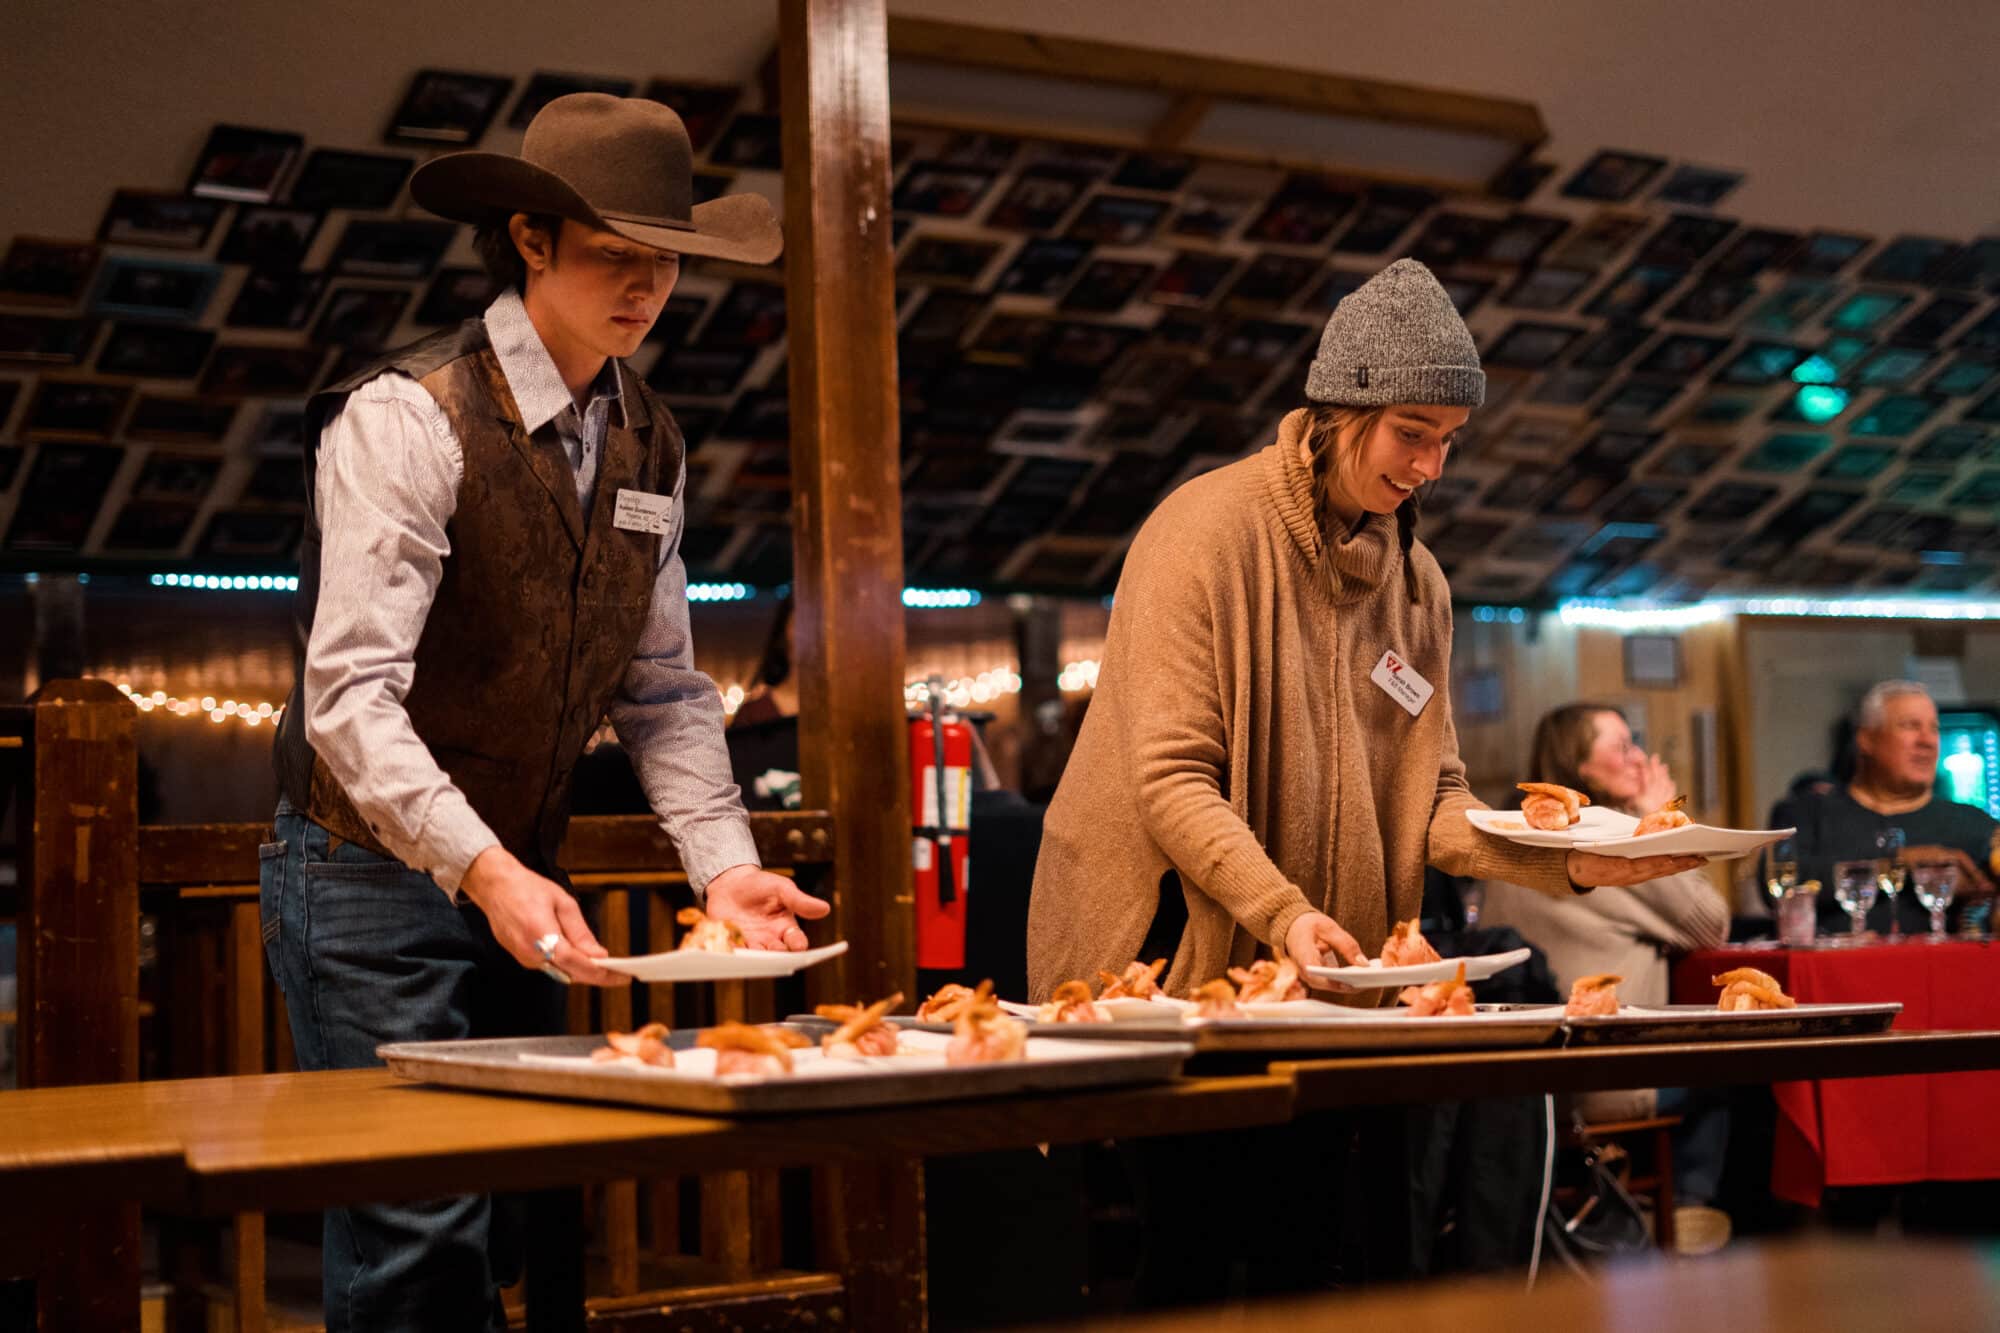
point(1402, 682)
point(1361, 377)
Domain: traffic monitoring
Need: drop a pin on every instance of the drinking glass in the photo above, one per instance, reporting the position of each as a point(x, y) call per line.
point(1854, 888)
point(1890, 872)
point(1781, 868)
point(1936, 883)
point(1472, 896)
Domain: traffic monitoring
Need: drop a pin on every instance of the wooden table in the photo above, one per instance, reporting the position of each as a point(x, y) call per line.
point(285, 1142)
point(1819, 1286)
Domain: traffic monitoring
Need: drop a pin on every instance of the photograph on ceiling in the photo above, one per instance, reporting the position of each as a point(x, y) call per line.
point(1915, 259)
point(941, 318)
point(252, 371)
point(1640, 399)
point(762, 416)
point(951, 260)
point(275, 300)
point(1530, 346)
point(176, 420)
point(941, 190)
point(1522, 237)
point(1688, 459)
point(1616, 448)
point(1981, 490)
point(1602, 239)
point(1986, 409)
point(337, 178)
point(1456, 238)
point(1934, 321)
point(245, 164)
point(41, 271)
point(1569, 387)
point(270, 237)
point(1108, 285)
point(1613, 176)
point(155, 289)
point(75, 409)
point(1192, 278)
point(1210, 213)
point(544, 88)
point(60, 498)
point(1712, 300)
point(676, 321)
point(144, 525)
point(1333, 288)
point(1950, 444)
point(1892, 367)
point(449, 107)
point(1614, 344)
point(1273, 277)
point(47, 339)
point(1730, 502)
point(751, 315)
point(1964, 377)
point(753, 139)
point(1918, 485)
point(988, 152)
point(160, 219)
point(1685, 240)
point(360, 316)
point(1165, 172)
point(1825, 253)
point(1867, 310)
point(1681, 354)
point(1467, 294)
point(1117, 219)
point(1386, 213)
point(279, 429)
point(250, 532)
point(1304, 211)
point(703, 107)
point(1642, 502)
point(1043, 266)
point(1531, 438)
point(372, 248)
point(1579, 492)
point(1634, 291)
point(179, 477)
point(459, 294)
point(1787, 451)
point(1795, 302)
point(1761, 363)
point(1521, 487)
point(699, 372)
point(1753, 251)
point(1548, 287)
point(1039, 198)
point(154, 351)
point(1698, 187)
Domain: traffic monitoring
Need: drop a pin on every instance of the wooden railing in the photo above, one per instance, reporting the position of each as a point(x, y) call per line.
point(91, 874)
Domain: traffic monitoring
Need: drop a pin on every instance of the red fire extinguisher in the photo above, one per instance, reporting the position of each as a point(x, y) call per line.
point(941, 778)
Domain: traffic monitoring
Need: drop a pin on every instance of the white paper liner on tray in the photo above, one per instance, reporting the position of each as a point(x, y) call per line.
point(742, 965)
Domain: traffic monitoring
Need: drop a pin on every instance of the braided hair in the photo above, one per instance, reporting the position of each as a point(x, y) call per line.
point(1334, 433)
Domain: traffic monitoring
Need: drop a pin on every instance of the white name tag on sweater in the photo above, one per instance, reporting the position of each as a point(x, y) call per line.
point(1400, 681)
point(642, 511)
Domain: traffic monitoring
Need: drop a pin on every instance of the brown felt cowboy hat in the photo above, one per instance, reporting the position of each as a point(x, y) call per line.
point(618, 163)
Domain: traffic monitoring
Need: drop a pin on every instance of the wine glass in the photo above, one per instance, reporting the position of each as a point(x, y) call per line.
point(1781, 868)
point(1890, 872)
point(1854, 888)
point(1936, 883)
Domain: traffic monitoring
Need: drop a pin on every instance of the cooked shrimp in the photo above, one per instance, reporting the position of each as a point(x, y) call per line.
point(1594, 996)
point(946, 1005)
point(741, 1048)
point(1440, 997)
point(1406, 946)
point(708, 935)
point(1217, 999)
point(1071, 1003)
point(648, 1046)
point(1668, 816)
point(986, 1035)
point(1268, 981)
point(1140, 981)
point(861, 1031)
point(1745, 988)
point(1551, 806)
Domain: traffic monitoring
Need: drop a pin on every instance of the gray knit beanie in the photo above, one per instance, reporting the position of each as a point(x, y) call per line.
point(1397, 339)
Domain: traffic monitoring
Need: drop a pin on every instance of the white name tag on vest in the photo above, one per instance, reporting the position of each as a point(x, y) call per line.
point(642, 511)
point(1400, 681)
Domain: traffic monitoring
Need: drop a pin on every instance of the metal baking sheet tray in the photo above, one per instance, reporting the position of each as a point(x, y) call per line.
point(1634, 1025)
point(561, 1067)
point(1354, 1031)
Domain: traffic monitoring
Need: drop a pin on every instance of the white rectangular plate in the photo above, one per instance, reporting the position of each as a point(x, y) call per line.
point(1477, 968)
point(743, 965)
point(562, 1067)
point(1717, 844)
point(1595, 824)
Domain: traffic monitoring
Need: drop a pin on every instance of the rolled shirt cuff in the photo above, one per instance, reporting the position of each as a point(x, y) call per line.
point(719, 847)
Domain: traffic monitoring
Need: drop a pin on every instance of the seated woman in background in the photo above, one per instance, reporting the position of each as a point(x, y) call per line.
point(1629, 931)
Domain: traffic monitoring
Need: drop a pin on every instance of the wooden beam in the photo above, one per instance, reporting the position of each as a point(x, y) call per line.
point(1180, 73)
point(1183, 114)
point(848, 549)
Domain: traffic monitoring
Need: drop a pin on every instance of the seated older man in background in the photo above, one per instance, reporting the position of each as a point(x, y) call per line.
point(1894, 786)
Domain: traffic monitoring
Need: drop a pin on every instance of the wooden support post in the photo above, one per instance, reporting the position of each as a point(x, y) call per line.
point(247, 1273)
point(245, 990)
point(79, 960)
point(848, 551)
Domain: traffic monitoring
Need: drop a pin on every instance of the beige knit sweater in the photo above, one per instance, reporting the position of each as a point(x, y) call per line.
point(1235, 737)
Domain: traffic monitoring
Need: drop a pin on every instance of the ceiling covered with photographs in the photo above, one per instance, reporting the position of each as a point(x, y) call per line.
point(1682, 398)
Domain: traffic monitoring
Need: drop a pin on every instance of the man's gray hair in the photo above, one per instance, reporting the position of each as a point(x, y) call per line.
point(1875, 704)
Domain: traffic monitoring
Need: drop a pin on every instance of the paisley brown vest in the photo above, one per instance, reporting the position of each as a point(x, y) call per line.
point(536, 613)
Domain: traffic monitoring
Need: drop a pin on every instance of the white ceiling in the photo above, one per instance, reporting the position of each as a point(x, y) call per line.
point(1844, 113)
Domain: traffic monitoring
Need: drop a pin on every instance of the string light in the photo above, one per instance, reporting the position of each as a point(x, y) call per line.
point(720, 592)
point(228, 582)
point(988, 686)
point(932, 599)
point(1590, 614)
point(208, 706)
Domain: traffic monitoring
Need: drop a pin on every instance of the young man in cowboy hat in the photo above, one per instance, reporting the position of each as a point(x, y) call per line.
point(491, 568)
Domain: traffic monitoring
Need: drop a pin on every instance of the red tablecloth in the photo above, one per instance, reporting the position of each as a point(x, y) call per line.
point(1878, 1131)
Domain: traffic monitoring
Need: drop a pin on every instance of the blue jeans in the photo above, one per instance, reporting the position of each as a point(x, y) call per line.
point(369, 951)
point(1701, 1144)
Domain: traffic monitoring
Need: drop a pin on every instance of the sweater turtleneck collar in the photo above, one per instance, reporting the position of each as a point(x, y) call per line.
point(1350, 569)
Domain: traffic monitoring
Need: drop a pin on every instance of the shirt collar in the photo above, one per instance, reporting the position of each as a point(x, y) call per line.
point(537, 386)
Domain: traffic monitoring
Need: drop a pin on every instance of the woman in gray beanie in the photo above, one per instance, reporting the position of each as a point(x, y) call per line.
point(1269, 762)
